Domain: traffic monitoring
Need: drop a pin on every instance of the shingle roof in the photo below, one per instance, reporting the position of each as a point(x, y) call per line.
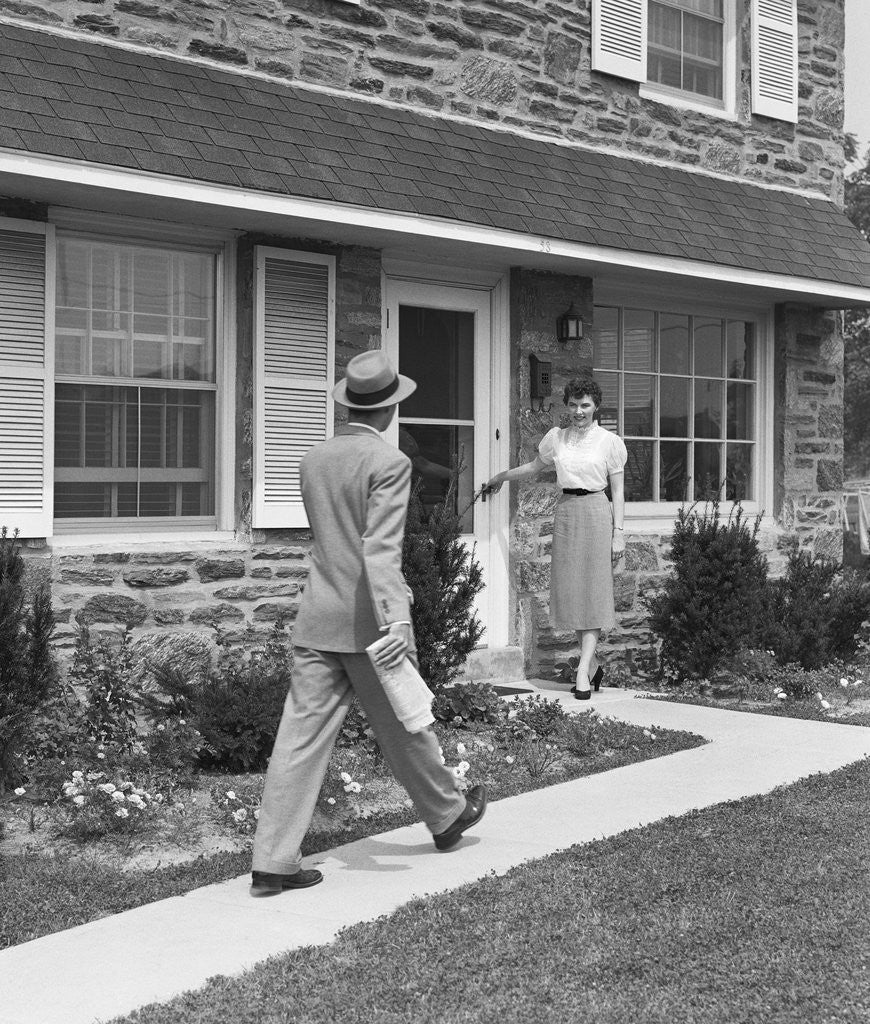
point(89, 101)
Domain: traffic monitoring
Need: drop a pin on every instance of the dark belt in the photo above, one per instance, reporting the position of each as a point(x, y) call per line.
point(579, 490)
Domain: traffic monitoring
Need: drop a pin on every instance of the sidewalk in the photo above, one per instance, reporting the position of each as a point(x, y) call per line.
point(115, 965)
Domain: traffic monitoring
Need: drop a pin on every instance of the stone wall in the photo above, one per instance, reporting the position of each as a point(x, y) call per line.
point(516, 63)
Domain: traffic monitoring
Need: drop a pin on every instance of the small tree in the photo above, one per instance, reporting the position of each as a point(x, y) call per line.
point(27, 667)
point(445, 578)
point(713, 603)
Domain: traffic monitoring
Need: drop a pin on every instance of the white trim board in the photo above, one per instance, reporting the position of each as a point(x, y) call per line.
point(534, 248)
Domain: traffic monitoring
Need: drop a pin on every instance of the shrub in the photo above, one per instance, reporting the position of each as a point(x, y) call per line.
point(816, 610)
point(711, 604)
point(236, 705)
point(173, 749)
point(237, 808)
point(543, 717)
point(464, 703)
point(98, 806)
point(27, 667)
point(444, 578)
point(105, 672)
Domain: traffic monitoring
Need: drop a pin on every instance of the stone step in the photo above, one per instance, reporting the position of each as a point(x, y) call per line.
point(494, 665)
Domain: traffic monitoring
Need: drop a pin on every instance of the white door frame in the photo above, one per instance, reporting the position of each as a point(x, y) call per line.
point(486, 294)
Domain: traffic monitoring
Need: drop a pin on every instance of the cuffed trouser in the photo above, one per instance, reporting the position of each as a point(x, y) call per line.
point(323, 686)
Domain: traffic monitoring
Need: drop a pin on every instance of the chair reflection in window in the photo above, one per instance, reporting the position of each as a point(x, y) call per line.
point(432, 477)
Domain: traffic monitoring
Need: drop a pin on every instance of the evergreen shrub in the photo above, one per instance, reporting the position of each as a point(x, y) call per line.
point(714, 601)
point(444, 578)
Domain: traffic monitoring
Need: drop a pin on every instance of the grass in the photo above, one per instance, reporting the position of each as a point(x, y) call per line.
point(757, 910)
point(47, 893)
point(808, 710)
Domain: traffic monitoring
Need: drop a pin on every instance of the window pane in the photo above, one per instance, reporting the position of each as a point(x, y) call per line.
point(674, 343)
point(674, 471)
point(71, 331)
point(639, 342)
point(708, 472)
point(432, 451)
point(609, 410)
point(605, 338)
point(640, 392)
point(437, 351)
point(674, 409)
point(708, 347)
point(740, 343)
point(741, 399)
point(738, 476)
point(708, 408)
point(639, 470)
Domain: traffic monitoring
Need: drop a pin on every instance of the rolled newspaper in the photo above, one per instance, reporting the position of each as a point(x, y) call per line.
point(406, 690)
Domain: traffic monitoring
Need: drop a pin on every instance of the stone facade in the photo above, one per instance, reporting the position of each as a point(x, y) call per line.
point(521, 64)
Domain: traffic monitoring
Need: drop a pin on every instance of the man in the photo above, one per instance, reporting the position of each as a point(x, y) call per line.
point(355, 488)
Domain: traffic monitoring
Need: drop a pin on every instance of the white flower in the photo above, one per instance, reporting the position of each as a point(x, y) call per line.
point(230, 795)
point(460, 749)
point(510, 759)
point(101, 756)
point(122, 812)
point(118, 796)
point(181, 721)
point(819, 696)
point(463, 766)
point(78, 800)
point(844, 683)
point(20, 791)
point(106, 787)
point(355, 787)
point(345, 778)
point(136, 801)
point(240, 815)
point(330, 800)
point(257, 814)
point(825, 706)
point(512, 714)
point(782, 695)
point(78, 776)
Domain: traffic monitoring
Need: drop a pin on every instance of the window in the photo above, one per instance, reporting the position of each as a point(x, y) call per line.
point(685, 50)
point(135, 383)
point(681, 391)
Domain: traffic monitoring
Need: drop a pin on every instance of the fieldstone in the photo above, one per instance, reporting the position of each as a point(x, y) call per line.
point(829, 475)
point(562, 55)
point(215, 613)
point(454, 34)
point(184, 651)
point(292, 572)
point(400, 68)
point(211, 569)
point(115, 608)
point(720, 157)
point(271, 611)
point(536, 501)
point(155, 577)
point(88, 577)
point(488, 80)
point(112, 557)
point(217, 51)
point(261, 572)
point(279, 552)
point(163, 557)
point(534, 575)
point(100, 23)
point(828, 544)
point(253, 593)
point(169, 616)
point(640, 556)
point(490, 21)
point(624, 590)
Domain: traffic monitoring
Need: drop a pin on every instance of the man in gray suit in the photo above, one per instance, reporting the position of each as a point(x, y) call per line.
point(355, 488)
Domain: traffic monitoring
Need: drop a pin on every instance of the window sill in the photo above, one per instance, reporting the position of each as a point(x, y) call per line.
point(684, 101)
point(141, 539)
point(644, 517)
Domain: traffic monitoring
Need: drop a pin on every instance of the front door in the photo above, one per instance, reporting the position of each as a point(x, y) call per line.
point(441, 337)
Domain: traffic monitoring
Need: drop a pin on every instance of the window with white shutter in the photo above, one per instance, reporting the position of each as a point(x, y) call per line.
point(774, 59)
point(293, 376)
point(26, 371)
point(619, 38)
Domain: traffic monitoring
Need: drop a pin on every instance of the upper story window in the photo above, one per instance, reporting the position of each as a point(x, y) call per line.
point(685, 49)
point(135, 383)
point(681, 390)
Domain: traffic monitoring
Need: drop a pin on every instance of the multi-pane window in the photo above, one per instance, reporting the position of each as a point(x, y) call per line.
point(681, 391)
point(685, 50)
point(134, 381)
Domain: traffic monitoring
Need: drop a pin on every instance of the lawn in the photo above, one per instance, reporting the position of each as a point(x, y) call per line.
point(758, 910)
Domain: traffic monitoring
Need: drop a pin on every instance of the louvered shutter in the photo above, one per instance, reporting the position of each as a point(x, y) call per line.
point(775, 59)
point(26, 377)
point(294, 374)
point(619, 38)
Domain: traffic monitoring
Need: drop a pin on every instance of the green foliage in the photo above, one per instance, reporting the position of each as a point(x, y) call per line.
point(27, 667)
point(105, 672)
point(236, 705)
point(464, 703)
point(816, 610)
point(444, 578)
point(543, 717)
point(98, 806)
point(712, 603)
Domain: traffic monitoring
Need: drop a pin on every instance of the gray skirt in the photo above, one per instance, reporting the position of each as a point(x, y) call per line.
point(581, 573)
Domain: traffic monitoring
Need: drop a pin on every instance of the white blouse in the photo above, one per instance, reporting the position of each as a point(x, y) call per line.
point(583, 461)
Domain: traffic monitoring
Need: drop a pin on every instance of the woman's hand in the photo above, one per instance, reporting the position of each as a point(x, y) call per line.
point(617, 547)
point(493, 486)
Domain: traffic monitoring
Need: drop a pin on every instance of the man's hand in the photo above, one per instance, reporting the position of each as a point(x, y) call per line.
point(395, 649)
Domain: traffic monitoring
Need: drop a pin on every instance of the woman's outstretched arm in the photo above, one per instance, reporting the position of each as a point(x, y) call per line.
point(528, 469)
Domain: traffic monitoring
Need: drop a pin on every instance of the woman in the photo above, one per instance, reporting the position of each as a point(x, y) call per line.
point(588, 536)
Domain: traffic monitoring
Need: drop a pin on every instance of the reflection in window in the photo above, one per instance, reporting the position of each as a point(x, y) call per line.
point(135, 315)
point(681, 392)
point(686, 46)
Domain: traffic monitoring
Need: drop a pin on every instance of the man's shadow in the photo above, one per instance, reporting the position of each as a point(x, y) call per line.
point(365, 854)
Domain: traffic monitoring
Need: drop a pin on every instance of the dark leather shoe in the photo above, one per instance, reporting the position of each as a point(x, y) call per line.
point(475, 806)
point(265, 884)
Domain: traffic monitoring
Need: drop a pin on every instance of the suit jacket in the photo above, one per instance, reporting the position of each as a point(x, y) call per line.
point(355, 488)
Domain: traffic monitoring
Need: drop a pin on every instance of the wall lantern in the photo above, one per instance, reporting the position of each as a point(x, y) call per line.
point(569, 326)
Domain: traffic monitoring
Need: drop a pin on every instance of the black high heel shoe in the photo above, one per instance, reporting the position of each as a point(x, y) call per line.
point(596, 686)
point(597, 679)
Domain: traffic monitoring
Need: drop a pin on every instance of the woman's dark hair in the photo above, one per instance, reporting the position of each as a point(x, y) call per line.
point(580, 386)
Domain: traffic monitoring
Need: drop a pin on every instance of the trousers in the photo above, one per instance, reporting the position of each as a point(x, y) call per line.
point(324, 684)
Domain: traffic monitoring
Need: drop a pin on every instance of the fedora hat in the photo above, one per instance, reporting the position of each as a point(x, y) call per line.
point(372, 383)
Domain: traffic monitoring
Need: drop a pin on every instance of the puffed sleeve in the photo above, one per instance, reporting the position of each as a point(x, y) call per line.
point(617, 456)
point(547, 447)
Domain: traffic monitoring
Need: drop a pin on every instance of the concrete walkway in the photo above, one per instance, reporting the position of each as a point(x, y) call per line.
point(112, 966)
